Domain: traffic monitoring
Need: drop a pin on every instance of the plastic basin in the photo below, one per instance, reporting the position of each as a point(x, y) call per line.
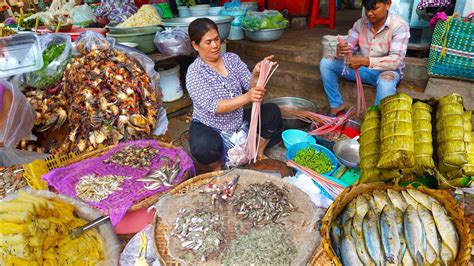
point(293, 150)
point(292, 136)
point(264, 35)
point(223, 24)
point(144, 40)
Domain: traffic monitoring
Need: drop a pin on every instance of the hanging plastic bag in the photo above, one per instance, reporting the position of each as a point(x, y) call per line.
point(15, 126)
point(173, 42)
point(82, 15)
point(57, 51)
point(89, 40)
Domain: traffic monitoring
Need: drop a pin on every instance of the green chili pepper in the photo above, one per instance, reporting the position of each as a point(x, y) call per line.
point(313, 159)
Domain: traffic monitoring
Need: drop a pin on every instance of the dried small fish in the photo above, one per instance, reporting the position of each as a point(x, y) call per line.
point(163, 176)
point(96, 188)
point(11, 179)
point(200, 232)
point(262, 203)
point(134, 156)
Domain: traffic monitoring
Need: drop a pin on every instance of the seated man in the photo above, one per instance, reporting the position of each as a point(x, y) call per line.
point(381, 38)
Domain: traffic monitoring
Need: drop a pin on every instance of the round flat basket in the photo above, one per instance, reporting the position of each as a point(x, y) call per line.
point(162, 225)
point(143, 203)
point(452, 207)
point(159, 227)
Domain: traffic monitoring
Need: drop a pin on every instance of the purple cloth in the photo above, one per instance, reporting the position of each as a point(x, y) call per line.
point(2, 92)
point(438, 16)
point(206, 88)
point(64, 179)
point(116, 11)
point(433, 3)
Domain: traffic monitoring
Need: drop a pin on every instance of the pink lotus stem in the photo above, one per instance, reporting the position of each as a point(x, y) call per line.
point(267, 68)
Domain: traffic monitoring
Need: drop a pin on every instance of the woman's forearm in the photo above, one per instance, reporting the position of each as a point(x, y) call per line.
point(230, 105)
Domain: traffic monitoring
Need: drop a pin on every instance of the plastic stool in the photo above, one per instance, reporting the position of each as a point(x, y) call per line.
point(315, 19)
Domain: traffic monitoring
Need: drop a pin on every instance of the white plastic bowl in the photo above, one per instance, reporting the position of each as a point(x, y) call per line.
point(199, 10)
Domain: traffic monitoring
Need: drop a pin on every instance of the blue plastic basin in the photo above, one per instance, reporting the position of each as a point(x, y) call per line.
point(292, 136)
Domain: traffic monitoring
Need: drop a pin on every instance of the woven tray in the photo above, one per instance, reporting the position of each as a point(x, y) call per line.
point(38, 168)
point(160, 228)
point(449, 203)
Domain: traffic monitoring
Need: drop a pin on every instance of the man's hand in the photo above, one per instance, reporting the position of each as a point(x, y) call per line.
point(358, 61)
point(343, 49)
point(256, 94)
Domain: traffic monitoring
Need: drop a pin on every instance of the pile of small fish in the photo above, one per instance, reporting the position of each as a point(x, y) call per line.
point(109, 98)
point(223, 192)
point(134, 156)
point(163, 176)
point(200, 232)
point(398, 228)
point(263, 203)
point(96, 188)
point(11, 179)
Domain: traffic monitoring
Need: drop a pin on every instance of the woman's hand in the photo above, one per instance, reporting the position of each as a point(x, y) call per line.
point(256, 94)
point(256, 69)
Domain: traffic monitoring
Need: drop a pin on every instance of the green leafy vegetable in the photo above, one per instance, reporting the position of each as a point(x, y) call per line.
point(43, 78)
point(262, 21)
point(313, 159)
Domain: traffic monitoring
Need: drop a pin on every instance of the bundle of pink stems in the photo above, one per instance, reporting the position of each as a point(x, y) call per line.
point(267, 68)
point(361, 105)
point(331, 187)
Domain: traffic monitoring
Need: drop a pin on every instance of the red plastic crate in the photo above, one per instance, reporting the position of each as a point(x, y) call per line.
point(296, 8)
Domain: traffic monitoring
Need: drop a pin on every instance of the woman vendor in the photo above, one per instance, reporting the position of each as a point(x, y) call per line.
point(220, 124)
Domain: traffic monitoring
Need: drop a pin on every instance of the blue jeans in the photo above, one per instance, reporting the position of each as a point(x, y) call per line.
point(384, 80)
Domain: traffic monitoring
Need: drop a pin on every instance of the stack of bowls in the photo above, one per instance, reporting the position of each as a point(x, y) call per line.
point(199, 10)
point(292, 136)
point(215, 11)
point(184, 11)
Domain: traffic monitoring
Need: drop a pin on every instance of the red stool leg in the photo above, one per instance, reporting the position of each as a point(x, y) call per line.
point(314, 14)
point(332, 14)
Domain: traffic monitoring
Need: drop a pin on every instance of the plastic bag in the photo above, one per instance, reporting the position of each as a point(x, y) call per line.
point(53, 64)
point(173, 42)
point(16, 126)
point(90, 40)
point(82, 15)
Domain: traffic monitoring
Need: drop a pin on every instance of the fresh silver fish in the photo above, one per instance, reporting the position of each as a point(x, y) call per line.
point(358, 237)
point(149, 179)
point(413, 233)
point(409, 199)
point(372, 237)
point(403, 242)
point(380, 200)
point(446, 229)
point(349, 256)
point(389, 234)
point(422, 198)
point(447, 256)
point(433, 247)
point(362, 205)
point(349, 212)
point(397, 199)
point(336, 238)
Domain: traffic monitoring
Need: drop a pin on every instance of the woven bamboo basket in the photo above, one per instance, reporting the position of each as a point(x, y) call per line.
point(159, 228)
point(448, 202)
point(35, 170)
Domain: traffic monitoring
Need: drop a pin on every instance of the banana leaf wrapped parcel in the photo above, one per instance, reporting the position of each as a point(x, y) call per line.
point(451, 151)
point(423, 139)
point(370, 149)
point(468, 169)
point(397, 143)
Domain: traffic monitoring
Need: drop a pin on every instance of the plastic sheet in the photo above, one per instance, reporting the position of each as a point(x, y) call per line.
point(16, 125)
point(49, 74)
point(131, 252)
point(173, 42)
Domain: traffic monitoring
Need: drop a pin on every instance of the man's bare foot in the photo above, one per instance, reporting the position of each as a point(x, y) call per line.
point(334, 111)
point(261, 157)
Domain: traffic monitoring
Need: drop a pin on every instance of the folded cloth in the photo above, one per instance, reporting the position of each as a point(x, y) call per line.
point(438, 16)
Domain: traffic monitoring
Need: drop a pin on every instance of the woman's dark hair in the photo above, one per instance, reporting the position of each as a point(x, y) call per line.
point(370, 4)
point(199, 27)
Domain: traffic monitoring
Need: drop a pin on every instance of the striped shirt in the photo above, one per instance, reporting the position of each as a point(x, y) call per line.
point(206, 88)
point(386, 48)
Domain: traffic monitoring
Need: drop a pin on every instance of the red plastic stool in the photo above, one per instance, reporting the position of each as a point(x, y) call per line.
point(315, 19)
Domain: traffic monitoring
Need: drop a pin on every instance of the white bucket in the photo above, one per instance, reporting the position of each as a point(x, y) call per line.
point(170, 84)
point(184, 12)
point(199, 10)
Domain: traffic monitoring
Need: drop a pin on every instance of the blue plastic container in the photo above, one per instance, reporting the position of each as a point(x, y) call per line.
point(293, 150)
point(292, 136)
